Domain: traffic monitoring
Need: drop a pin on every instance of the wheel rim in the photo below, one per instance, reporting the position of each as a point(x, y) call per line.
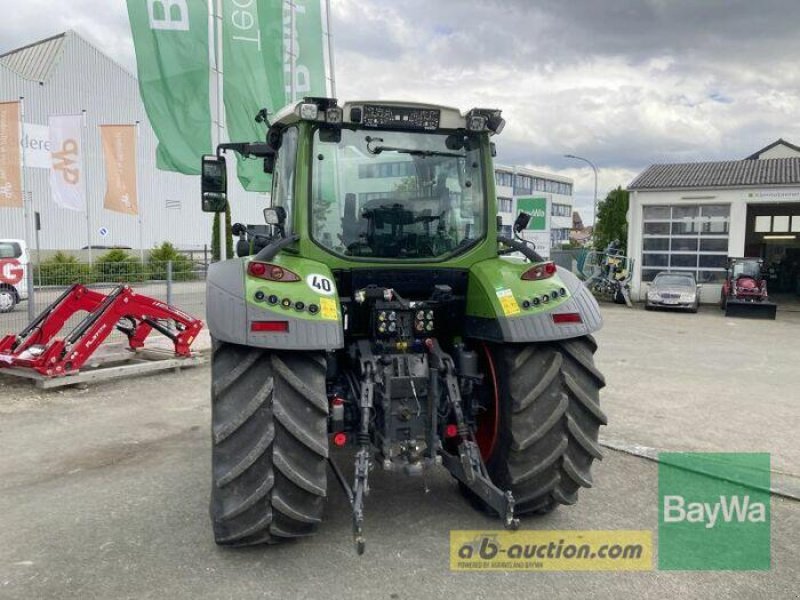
point(6, 300)
point(488, 422)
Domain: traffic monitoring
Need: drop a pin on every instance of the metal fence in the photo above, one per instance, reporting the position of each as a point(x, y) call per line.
point(180, 283)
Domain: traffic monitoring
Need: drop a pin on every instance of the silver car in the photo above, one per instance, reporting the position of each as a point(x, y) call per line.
point(673, 290)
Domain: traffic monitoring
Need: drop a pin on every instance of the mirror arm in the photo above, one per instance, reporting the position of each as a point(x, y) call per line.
point(269, 251)
point(247, 149)
point(522, 247)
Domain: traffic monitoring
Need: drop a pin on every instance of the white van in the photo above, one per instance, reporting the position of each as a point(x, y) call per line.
point(14, 261)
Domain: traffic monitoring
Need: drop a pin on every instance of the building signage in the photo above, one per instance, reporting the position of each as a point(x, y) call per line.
point(537, 209)
point(35, 145)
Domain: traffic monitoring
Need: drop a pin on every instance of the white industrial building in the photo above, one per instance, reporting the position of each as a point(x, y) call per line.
point(513, 183)
point(693, 216)
point(65, 74)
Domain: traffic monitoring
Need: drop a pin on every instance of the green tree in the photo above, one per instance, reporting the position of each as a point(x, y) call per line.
point(612, 220)
point(182, 266)
point(228, 236)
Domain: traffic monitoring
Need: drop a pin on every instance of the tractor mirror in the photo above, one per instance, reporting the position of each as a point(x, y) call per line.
point(275, 216)
point(521, 222)
point(214, 184)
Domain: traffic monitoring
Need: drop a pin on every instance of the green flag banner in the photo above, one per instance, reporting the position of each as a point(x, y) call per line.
point(257, 45)
point(245, 84)
point(172, 47)
point(309, 69)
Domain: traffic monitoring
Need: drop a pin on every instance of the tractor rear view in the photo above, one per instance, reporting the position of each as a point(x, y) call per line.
point(744, 291)
point(383, 316)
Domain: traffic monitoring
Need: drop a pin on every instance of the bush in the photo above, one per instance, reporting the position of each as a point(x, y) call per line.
point(182, 267)
point(117, 266)
point(62, 269)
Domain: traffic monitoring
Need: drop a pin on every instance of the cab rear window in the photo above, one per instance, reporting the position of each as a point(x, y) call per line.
point(10, 250)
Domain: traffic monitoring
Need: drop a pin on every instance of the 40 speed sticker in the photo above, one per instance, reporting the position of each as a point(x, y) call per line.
point(529, 550)
point(321, 284)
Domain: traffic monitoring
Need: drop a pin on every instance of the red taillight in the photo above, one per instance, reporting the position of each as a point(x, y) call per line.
point(540, 271)
point(270, 272)
point(561, 318)
point(269, 326)
point(340, 439)
point(451, 431)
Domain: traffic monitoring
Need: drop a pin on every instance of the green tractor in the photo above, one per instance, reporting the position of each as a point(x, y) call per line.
point(386, 313)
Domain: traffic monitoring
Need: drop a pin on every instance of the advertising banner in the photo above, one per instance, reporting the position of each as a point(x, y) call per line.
point(10, 156)
point(119, 154)
point(67, 183)
point(172, 60)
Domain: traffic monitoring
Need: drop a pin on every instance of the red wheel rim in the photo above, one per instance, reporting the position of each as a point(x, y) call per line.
point(486, 433)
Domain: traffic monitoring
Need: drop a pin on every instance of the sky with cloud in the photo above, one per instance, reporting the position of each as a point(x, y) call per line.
point(624, 83)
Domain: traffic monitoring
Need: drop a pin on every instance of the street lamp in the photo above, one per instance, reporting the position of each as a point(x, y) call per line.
point(594, 168)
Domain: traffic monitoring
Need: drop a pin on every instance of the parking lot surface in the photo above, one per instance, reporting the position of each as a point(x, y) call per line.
point(104, 491)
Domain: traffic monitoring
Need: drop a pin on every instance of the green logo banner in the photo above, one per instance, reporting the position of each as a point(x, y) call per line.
point(714, 511)
point(258, 45)
point(245, 84)
point(171, 42)
point(537, 208)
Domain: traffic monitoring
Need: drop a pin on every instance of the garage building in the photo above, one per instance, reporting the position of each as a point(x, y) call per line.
point(693, 216)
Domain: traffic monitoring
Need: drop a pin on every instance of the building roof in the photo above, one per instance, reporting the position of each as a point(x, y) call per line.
point(35, 61)
point(722, 174)
point(779, 142)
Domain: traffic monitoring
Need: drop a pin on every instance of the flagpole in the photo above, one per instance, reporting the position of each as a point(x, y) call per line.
point(292, 61)
point(139, 202)
point(83, 154)
point(26, 209)
point(26, 216)
point(216, 31)
point(331, 64)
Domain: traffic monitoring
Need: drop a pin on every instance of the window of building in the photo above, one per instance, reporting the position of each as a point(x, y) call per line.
point(503, 204)
point(386, 169)
point(523, 184)
point(561, 210)
point(504, 178)
point(686, 237)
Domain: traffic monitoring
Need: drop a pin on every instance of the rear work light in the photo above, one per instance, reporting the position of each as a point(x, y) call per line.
point(270, 272)
point(566, 318)
point(541, 271)
point(269, 326)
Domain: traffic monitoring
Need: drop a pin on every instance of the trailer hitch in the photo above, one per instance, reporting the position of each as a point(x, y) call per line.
point(468, 467)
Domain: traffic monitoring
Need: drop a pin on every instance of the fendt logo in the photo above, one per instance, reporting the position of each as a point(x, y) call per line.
point(729, 508)
point(65, 161)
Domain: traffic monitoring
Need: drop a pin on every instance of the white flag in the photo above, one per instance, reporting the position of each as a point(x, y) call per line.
point(66, 173)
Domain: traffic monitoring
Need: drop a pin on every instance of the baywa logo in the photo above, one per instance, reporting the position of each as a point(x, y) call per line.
point(714, 511)
point(728, 508)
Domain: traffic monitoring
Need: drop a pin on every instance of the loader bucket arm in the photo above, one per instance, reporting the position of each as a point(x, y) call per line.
point(37, 347)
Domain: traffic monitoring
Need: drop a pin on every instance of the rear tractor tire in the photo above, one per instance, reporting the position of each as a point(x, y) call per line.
point(270, 444)
point(549, 419)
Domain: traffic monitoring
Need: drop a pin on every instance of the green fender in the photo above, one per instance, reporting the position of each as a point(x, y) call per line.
point(289, 315)
point(503, 307)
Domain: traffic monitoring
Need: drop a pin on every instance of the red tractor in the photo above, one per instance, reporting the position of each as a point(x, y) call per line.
point(744, 292)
